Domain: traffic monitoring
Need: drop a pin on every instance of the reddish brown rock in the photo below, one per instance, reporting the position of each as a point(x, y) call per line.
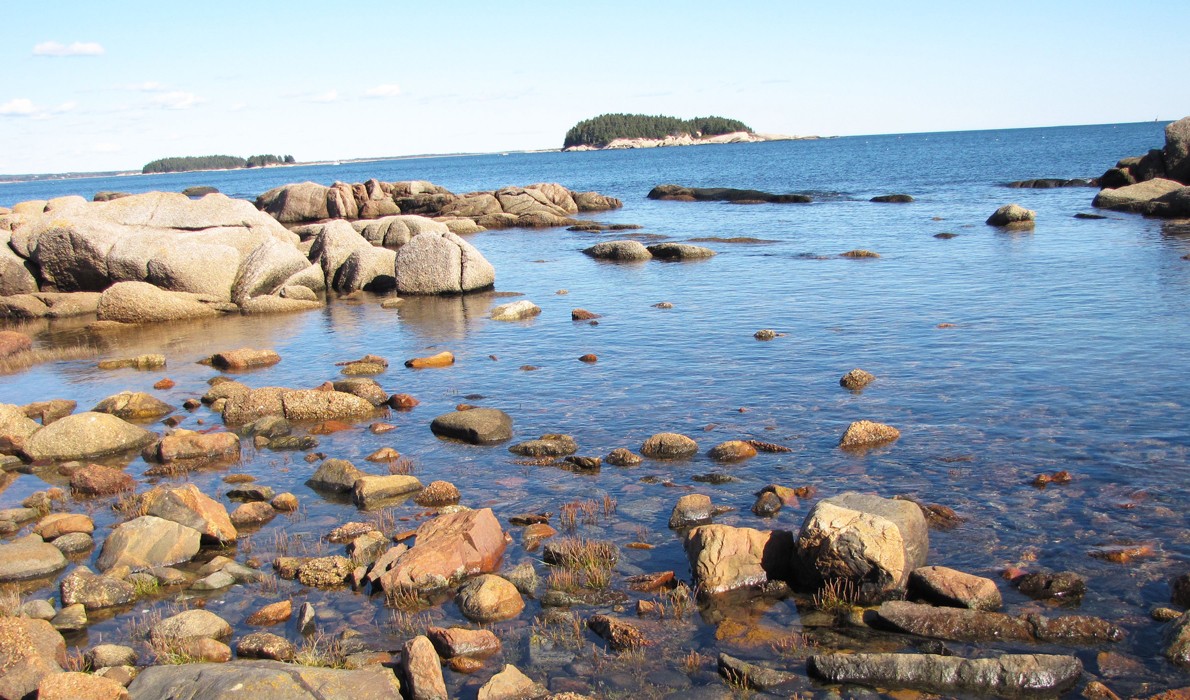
point(620, 635)
point(190, 445)
point(945, 586)
point(732, 451)
point(724, 558)
point(57, 524)
point(73, 685)
point(590, 358)
point(271, 614)
point(535, 534)
point(187, 505)
point(583, 315)
point(12, 342)
point(442, 359)
point(456, 641)
point(423, 670)
point(98, 480)
point(164, 384)
point(449, 548)
point(30, 650)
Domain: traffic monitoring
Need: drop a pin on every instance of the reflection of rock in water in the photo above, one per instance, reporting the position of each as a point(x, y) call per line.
point(442, 317)
point(203, 337)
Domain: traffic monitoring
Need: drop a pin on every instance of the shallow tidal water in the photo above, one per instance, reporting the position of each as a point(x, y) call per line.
point(998, 355)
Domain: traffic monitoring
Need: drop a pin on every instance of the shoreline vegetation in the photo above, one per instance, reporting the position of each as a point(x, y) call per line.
point(620, 131)
point(185, 164)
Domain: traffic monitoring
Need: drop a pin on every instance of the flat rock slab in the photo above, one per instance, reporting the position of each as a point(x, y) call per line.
point(958, 589)
point(477, 426)
point(85, 436)
point(1010, 674)
point(146, 542)
point(962, 625)
point(29, 558)
point(236, 680)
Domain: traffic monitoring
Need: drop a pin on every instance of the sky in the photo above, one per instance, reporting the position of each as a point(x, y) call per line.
point(88, 86)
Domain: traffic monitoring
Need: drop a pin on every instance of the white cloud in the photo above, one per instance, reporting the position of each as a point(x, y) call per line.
point(147, 86)
point(176, 100)
point(386, 90)
point(328, 96)
point(18, 107)
point(76, 48)
point(65, 107)
point(106, 147)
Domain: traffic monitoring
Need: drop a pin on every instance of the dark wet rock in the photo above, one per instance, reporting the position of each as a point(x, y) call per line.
point(146, 542)
point(938, 517)
point(892, 199)
point(187, 505)
point(669, 446)
point(583, 464)
point(944, 586)
point(725, 558)
point(691, 509)
point(722, 194)
point(245, 358)
point(134, 405)
point(422, 670)
point(98, 480)
point(871, 541)
point(250, 492)
point(620, 635)
point(1177, 642)
point(335, 475)
point(767, 504)
point(1064, 585)
point(265, 645)
point(583, 315)
point(963, 625)
point(864, 433)
point(856, 379)
point(1012, 216)
point(29, 557)
point(1046, 183)
point(447, 549)
point(629, 251)
point(765, 334)
point(264, 679)
point(732, 451)
point(489, 598)
point(456, 641)
point(368, 491)
point(30, 650)
point(477, 426)
point(85, 435)
point(92, 591)
point(292, 442)
point(623, 457)
point(1180, 591)
point(1007, 675)
point(748, 675)
point(549, 445)
point(946, 235)
point(714, 478)
point(679, 251)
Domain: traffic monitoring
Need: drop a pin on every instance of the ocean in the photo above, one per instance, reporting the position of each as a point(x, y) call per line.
point(999, 355)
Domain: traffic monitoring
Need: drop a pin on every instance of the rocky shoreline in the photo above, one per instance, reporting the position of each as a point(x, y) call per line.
point(689, 140)
point(876, 612)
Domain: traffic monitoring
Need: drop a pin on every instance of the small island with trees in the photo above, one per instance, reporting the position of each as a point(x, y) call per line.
point(184, 164)
point(612, 131)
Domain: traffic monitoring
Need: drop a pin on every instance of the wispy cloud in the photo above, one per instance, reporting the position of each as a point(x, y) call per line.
point(75, 48)
point(147, 86)
point(328, 96)
point(65, 107)
point(176, 100)
point(386, 90)
point(18, 107)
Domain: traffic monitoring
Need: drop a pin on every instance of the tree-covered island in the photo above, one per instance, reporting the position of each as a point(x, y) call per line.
point(190, 163)
point(600, 131)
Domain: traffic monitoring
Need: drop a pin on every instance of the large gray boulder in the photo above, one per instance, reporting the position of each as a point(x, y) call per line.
point(141, 302)
point(875, 543)
point(164, 238)
point(396, 231)
point(240, 679)
point(29, 557)
point(333, 244)
point(1007, 675)
point(371, 268)
point(628, 251)
point(1177, 151)
point(477, 426)
point(304, 201)
point(1135, 198)
point(267, 268)
point(86, 435)
point(15, 276)
point(441, 263)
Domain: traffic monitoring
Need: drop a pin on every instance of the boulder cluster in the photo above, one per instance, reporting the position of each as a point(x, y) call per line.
point(1155, 184)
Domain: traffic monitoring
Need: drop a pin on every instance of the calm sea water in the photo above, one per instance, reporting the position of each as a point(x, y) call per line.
point(1066, 352)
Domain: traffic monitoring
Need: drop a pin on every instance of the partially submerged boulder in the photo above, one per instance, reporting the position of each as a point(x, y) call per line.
point(86, 435)
point(477, 426)
point(146, 542)
point(725, 558)
point(1006, 675)
point(447, 549)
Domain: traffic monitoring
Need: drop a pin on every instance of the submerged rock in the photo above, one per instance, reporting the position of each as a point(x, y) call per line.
point(856, 379)
point(722, 194)
point(669, 446)
point(447, 549)
point(865, 433)
point(962, 625)
point(1007, 675)
point(1012, 216)
point(624, 251)
point(741, 673)
point(236, 680)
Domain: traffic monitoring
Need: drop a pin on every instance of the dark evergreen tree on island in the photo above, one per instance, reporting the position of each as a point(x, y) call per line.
point(602, 130)
point(190, 163)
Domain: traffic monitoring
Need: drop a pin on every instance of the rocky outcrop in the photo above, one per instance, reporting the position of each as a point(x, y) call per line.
point(873, 542)
point(537, 205)
point(1154, 184)
point(678, 193)
point(1177, 150)
point(623, 251)
point(30, 650)
point(141, 302)
point(441, 263)
point(725, 558)
point(1136, 198)
point(1008, 675)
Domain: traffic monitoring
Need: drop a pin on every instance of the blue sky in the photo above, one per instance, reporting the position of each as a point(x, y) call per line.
point(110, 86)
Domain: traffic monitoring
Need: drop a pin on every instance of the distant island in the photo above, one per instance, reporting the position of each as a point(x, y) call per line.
point(610, 131)
point(191, 163)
